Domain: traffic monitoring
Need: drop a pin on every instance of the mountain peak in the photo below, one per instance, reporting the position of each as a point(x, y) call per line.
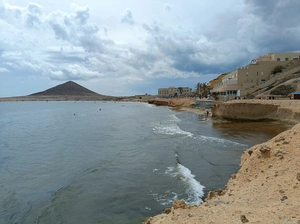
point(68, 88)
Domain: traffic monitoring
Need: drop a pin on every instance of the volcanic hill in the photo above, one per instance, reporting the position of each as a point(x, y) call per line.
point(63, 92)
point(67, 89)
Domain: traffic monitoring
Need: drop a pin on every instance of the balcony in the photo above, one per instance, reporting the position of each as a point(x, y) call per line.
point(227, 86)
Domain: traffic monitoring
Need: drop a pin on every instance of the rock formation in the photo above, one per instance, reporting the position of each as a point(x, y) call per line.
point(285, 110)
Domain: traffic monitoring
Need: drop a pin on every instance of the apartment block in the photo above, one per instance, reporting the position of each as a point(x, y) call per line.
point(174, 92)
point(234, 84)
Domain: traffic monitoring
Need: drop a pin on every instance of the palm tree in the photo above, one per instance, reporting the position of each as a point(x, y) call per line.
point(180, 90)
point(198, 87)
point(201, 89)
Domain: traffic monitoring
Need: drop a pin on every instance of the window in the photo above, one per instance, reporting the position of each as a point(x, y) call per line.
point(278, 59)
point(246, 73)
point(262, 73)
point(286, 59)
point(262, 81)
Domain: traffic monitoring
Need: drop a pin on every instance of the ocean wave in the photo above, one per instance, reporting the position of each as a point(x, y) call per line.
point(174, 118)
point(224, 142)
point(170, 129)
point(166, 199)
point(149, 105)
point(193, 188)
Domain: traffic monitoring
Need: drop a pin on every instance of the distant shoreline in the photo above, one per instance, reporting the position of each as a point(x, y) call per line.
point(58, 98)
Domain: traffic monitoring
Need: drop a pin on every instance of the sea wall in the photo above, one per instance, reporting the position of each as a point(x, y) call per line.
point(285, 110)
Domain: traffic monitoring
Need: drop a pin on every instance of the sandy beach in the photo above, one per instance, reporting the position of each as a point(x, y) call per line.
point(266, 189)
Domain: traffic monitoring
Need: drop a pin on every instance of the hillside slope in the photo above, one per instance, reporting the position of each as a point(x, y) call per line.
point(281, 85)
point(67, 89)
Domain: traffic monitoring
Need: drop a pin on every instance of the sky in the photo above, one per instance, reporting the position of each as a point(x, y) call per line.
point(129, 47)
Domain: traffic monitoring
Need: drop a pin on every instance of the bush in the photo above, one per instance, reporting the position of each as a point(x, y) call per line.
point(277, 69)
point(283, 90)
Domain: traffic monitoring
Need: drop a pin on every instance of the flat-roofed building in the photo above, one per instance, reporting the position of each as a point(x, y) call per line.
point(174, 92)
point(260, 70)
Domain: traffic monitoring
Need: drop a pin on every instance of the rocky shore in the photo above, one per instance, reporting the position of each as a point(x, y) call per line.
point(266, 189)
point(177, 103)
point(284, 110)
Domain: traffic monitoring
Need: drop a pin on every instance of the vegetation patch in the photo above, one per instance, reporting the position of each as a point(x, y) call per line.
point(283, 90)
point(277, 69)
point(269, 87)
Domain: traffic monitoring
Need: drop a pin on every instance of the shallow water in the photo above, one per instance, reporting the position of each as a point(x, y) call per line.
point(106, 162)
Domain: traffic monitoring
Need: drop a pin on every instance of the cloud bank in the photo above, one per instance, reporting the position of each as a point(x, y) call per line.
point(141, 44)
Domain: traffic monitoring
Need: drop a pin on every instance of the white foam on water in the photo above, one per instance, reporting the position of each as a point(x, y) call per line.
point(166, 199)
point(149, 105)
point(154, 170)
point(174, 118)
point(219, 140)
point(193, 188)
point(170, 129)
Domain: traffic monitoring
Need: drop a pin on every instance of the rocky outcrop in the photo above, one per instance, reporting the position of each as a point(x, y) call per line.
point(158, 102)
point(185, 102)
point(285, 110)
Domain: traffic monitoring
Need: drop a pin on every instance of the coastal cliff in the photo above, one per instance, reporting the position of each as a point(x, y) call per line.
point(181, 102)
point(284, 110)
point(266, 188)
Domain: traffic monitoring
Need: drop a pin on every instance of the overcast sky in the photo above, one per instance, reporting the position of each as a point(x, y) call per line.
point(128, 47)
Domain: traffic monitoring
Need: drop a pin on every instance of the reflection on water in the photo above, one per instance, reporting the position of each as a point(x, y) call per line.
point(252, 132)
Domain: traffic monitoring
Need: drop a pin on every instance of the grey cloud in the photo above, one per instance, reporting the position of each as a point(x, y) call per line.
point(105, 29)
point(34, 12)
point(60, 32)
point(33, 21)
point(278, 13)
point(62, 57)
point(127, 17)
point(82, 15)
point(76, 29)
point(191, 53)
point(91, 44)
point(30, 15)
point(167, 7)
point(72, 72)
point(271, 25)
point(152, 29)
point(10, 14)
point(2, 70)
point(34, 8)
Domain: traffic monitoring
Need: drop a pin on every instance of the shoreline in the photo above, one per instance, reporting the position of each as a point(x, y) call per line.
point(266, 187)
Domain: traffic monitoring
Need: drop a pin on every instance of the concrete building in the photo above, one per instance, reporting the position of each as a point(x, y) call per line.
point(174, 92)
point(261, 69)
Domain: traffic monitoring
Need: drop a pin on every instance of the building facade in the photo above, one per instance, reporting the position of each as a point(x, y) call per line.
point(174, 92)
point(261, 69)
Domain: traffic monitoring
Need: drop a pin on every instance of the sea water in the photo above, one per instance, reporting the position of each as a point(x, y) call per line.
point(112, 162)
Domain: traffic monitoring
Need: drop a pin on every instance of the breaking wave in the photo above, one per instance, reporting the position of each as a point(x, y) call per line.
point(215, 140)
point(193, 189)
point(171, 129)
